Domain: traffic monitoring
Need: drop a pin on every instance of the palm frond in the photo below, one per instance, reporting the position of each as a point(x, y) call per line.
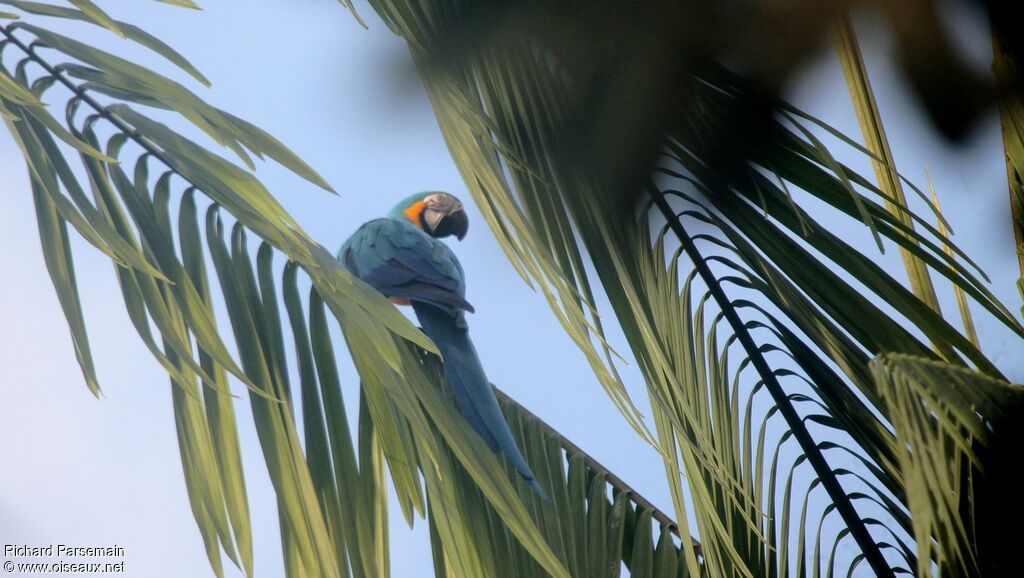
point(949, 419)
point(1011, 113)
point(166, 210)
point(961, 298)
point(765, 264)
point(870, 119)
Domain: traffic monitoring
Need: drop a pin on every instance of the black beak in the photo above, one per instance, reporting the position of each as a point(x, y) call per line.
point(456, 223)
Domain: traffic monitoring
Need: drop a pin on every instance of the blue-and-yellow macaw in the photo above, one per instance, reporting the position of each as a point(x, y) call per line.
point(401, 257)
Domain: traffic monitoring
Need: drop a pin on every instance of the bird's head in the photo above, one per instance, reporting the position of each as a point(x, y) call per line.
point(437, 214)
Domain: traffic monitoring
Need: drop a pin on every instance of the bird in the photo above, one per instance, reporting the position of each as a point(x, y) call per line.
point(402, 257)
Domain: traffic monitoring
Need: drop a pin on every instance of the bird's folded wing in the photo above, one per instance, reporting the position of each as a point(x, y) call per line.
point(399, 260)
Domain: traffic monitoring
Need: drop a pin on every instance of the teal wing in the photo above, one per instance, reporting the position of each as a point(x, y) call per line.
point(399, 260)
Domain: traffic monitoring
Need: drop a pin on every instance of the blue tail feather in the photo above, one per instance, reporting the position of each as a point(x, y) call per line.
point(471, 414)
point(473, 391)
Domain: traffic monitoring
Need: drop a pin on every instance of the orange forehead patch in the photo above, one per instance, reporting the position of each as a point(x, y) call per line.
point(413, 213)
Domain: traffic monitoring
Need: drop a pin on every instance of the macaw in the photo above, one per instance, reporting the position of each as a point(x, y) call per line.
point(401, 257)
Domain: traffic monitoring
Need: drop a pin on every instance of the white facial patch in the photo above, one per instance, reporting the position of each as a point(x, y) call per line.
point(432, 218)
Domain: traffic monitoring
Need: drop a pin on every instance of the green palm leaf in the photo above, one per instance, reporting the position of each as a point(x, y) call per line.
point(783, 395)
point(765, 264)
point(166, 210)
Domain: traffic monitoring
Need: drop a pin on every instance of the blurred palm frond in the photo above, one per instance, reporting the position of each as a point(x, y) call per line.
point(597, 141)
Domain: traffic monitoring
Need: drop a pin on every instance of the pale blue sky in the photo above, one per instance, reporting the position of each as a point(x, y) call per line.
point(83, 471)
